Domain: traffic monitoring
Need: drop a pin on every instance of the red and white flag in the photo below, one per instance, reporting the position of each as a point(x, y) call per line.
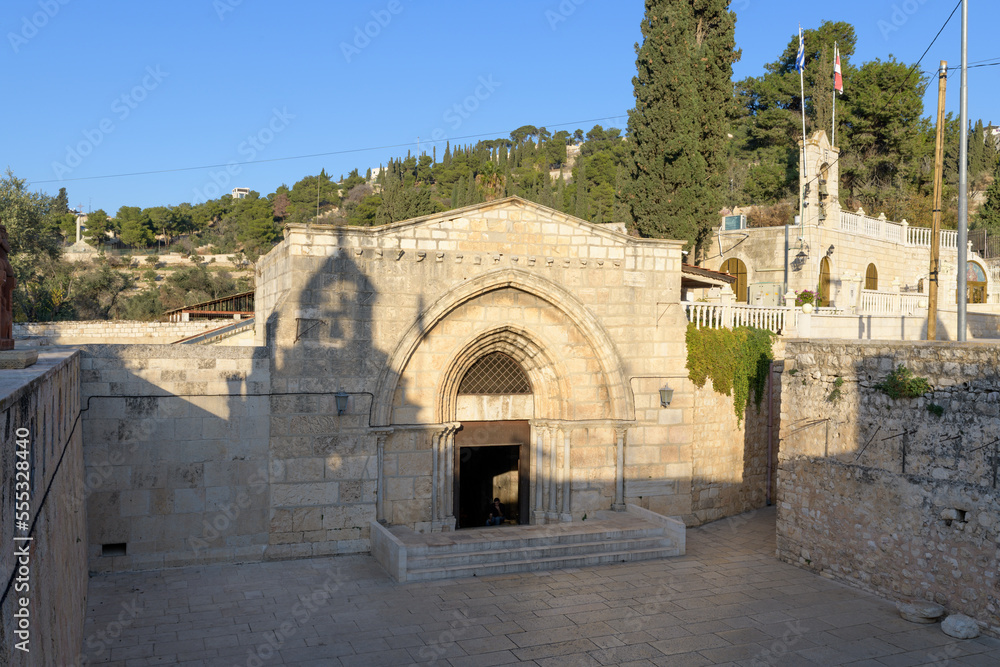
point(838, 80)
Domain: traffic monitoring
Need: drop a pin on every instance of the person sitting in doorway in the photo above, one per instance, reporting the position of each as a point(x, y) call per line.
point(496, 513)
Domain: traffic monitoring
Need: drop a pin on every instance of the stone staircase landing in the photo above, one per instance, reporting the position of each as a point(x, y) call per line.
point(608, 537)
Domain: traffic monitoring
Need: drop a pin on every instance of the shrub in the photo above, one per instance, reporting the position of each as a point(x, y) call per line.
point(902, 383)
point(805, 296)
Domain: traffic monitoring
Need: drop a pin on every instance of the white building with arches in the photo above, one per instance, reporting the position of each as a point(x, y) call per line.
point(858, 265)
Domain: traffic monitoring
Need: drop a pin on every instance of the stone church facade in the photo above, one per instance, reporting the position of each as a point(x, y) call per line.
point(504, 349)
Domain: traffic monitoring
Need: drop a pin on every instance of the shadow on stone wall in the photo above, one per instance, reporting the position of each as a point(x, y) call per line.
point(320, 342)
point(898, 496)
point(175, 454)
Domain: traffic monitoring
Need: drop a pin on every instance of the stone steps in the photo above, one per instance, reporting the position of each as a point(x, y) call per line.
point(503, 550)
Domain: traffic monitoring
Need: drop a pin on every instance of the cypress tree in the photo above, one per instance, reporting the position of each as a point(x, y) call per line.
point(988, 216)
point(677, 130)
point(446, 160)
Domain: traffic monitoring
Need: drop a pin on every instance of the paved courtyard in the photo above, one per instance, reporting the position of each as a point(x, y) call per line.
point(727, 602)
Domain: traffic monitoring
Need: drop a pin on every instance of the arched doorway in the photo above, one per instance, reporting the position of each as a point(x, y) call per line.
point(824, 283)
point(975, 282)
point(492, 448)
point(736, 268)
point(871, 278)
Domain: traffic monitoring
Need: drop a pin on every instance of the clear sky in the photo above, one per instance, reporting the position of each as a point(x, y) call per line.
point(115, 87)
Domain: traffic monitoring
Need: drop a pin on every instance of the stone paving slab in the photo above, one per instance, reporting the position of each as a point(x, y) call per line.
point(728, 601)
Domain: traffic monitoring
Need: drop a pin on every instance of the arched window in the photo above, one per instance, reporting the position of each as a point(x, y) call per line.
point(975, 282)
point(824, 282)
point(495, 373)
point(738, 270)
point(871, 277)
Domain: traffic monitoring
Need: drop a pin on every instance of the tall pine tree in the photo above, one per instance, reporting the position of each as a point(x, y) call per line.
point(677, 131)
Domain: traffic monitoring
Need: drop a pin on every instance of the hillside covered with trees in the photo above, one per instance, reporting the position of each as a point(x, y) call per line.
point(668, 175)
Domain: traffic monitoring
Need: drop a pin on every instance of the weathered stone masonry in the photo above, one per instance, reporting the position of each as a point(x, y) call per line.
point(882, 493)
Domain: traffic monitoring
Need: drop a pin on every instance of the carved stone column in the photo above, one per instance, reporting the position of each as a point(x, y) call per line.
point(566, 514)
point(539, 431)
point(552, 470)
point(619, 505)
point(380, 437)
point(448, 512)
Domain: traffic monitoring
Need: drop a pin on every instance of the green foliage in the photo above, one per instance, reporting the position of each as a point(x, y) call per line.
point(677, 130)
point(935, 409)
point(804, 297)
point(902, 383)
point(34, 236)
point(736, 360)
point(988, 216)
point(835, 394)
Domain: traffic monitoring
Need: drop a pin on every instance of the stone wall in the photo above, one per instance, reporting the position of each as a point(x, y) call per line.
point(44, 400)
point(883, 493)
point(730, 471)
point(100, 332)
point(176, 454)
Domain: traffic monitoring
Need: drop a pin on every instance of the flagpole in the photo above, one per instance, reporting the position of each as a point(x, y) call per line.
point(802, 90)
point(833, 133)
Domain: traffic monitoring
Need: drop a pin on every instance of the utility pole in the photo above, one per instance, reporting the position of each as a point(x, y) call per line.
point(963, 180)
point(932, 300)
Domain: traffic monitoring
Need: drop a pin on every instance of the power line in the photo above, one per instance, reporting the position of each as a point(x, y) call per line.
point(913, 69)
point(312, 155)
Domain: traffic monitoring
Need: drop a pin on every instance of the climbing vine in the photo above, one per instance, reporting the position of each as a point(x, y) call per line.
point(736, 360)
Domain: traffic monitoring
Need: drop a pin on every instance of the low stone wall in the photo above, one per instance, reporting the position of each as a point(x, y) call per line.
point(979, 325)
point(176, 454)
point(111, 332)
point(44, 591)
point(883, 493)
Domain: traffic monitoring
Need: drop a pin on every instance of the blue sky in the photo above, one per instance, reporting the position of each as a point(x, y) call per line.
point(116, 87)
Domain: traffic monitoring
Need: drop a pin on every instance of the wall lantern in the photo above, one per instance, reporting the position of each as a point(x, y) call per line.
point(666, 395)
point(341, 397)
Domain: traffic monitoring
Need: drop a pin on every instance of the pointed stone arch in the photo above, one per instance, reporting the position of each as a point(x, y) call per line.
point(611, 368)
point(547, 377)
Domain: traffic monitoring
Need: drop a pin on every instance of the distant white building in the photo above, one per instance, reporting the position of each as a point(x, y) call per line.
point(240, 193)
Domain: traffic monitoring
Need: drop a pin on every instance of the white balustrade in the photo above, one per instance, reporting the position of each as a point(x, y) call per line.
point(877, 228)
point(874, 302)
point(719, 316)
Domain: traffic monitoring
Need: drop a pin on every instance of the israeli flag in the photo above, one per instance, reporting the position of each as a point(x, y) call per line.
point(800, 59)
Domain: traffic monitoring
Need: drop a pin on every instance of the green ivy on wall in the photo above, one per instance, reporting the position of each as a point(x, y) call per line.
point(736, 360)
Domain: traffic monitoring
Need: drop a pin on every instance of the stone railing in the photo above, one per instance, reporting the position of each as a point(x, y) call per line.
point(874, 302)
point(723, 316)
point(894, 232)
point(112, 331)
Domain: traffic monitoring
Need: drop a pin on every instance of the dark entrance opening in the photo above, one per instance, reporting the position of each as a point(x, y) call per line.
point(492, 462)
